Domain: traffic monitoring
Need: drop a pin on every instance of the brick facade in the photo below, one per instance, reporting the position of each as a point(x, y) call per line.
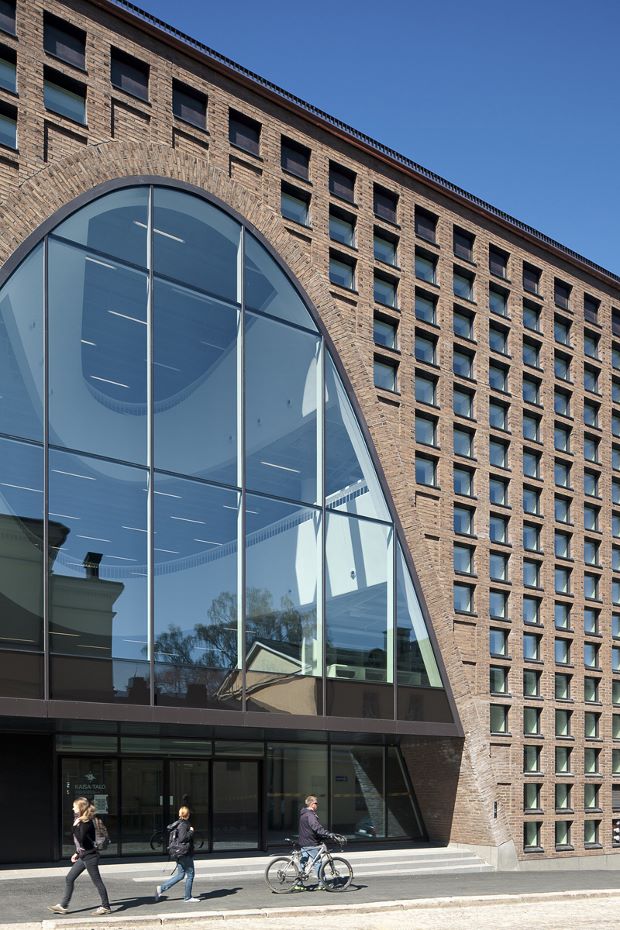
point(471, 791)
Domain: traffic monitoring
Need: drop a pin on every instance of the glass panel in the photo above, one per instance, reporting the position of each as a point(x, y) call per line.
point(97, 779)
point(21, 349)
point(195, 594)
point(64, 101)
point(359, 572)
point(417, 667)
point(281, 409)
point(351, 482)
point(195, 243)
point(189, 785)
point(235, 805)
point(97, 352)
point(21, 569)
point(8, 131)
point(98, 617)
point(142, 812)
point(402, 817)
point(294, 208)
point(115, 224)
point(8, 78)
point(195, 383)
point(269, 290)
point(283, 639)
point(357, 789)
point(293, 771)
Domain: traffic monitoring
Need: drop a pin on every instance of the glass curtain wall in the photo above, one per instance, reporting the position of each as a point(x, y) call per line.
point(189, 507)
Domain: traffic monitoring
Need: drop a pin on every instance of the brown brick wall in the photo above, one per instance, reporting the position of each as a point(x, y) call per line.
point(59, 159)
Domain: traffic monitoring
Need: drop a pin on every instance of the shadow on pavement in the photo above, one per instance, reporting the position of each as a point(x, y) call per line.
point(128, 904)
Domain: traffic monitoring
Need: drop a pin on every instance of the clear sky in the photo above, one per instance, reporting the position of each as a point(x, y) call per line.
point(516, 102)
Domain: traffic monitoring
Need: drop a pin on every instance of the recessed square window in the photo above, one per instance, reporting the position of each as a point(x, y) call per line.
point(295, 205)
point(562, 651)
point(531, 353)
point(591, 306)
point(531, 501)
point(463, 479)
point(562, 580)
point(561, 366)
point(590, 690)
point(385, 375)
point(295, 158)
point(563, 760)
point(561, 293)
point(591, 587)
point(341, 226)
point(463, 559)
point(463, 520)
point(63, 40)
point(498, 262)
point(531, 278)
point(463, 598)
point(531, 796)
point(342, 270)
point(561, 402)
point(498, 528)
point(563, 723)
point(591, 551)
point(64, 95)
point(463, 441)
point(498, 415)
point(561, 437)
point(341, 182)
point(463, 284)
point(498, 453)
point(591, 379)
point(561, 330)
point(499, 718)
point(531, 427)
point(385, 204)
point(462, 363)
point(498, 566)
point(561, 474)
point(425, 429)
point(384, 247)
point(498, 300)
point(8, 125)
point(463, 402)
point(562, 509)
point(384, 333)
point(498, 679)
point(531, 759)
point(591, 448)
point(591, 761)
point(531, 463)
point(425, 307)
point(462, 323)
point(531, 390)
point(561, 615)
point(531, 537)
point(562, 686)
point(426, 267)
point(385, 290)
point(498, 339)
point(531, 316)
point(425, 389)
point(424, 349)
point(591, 481)
point(498, 377)
point(8, 69)
point(591, 413)
point(189, 104)
point(426, 470)
point(591, 620)
point(7, 16)
point(498, 491)
point(531, 610)
point(498, 642)
point(562, 543)
point(591, 344)
point(129, 74)
point(498, 604)
point(463, 244)
point(531, 573)
point(426, 224)
point(531, 721)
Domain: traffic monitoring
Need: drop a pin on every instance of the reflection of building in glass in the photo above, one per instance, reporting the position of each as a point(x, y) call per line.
point(233, 565)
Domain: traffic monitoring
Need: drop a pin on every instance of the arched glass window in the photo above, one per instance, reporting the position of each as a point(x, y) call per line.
point(216, 532)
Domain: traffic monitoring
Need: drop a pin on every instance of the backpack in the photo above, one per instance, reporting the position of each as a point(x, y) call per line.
point(176, 846)
point(102, 837)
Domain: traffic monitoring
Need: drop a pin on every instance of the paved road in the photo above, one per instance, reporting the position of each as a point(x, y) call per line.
point(25, 899)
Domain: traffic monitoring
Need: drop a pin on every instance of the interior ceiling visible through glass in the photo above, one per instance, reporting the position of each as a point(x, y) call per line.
point(217, 533)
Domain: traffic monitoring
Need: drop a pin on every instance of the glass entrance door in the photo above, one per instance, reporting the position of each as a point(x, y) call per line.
point(189, 785)
point(142, 802)
point(236, 820)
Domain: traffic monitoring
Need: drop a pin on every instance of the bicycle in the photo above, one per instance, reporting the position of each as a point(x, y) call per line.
point(285, 873)
point(159, 840)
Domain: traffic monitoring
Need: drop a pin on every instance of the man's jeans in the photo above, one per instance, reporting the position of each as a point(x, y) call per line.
point(312, 853)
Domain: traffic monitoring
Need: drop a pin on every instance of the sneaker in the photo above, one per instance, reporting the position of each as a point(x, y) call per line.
point(191, 900)
point(58, 909)
point(158, 893)
point(101, 911)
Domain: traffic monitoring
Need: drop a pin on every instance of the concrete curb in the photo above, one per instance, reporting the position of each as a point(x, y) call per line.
point(264, 913)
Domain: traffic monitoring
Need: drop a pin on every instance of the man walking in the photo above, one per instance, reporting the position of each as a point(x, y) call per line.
point(311, 834)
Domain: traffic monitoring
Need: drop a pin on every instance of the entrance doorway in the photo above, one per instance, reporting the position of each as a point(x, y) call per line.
point(139, 797)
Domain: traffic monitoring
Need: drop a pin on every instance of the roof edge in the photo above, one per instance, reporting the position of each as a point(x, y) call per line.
point(353, 135)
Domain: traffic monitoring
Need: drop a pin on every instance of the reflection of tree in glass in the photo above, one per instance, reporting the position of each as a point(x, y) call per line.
point(214, 644)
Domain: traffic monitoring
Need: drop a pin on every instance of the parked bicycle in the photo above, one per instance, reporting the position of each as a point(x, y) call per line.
point(159, 840)
point(285, 873)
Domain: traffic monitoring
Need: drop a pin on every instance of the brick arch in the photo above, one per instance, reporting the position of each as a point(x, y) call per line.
point(470, 781)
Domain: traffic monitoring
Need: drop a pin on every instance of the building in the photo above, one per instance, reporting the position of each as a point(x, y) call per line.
point(309, 471)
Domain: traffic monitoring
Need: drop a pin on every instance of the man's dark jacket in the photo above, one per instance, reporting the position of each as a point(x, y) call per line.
point(311, 830)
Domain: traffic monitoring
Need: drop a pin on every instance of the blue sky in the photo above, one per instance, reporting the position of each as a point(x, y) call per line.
point(517, 103)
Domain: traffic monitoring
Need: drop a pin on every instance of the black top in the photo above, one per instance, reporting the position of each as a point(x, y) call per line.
point(84, 837)
point(311, 830)
point(186, 833)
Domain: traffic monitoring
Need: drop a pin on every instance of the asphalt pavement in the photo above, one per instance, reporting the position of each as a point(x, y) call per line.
point(235, 885)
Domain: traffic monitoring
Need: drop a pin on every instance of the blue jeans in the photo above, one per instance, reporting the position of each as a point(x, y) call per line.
point(185, 868)
point(311, 852)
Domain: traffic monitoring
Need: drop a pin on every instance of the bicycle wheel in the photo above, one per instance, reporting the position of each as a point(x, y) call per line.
point(281, 875)
point(157, 840)
point(336, 874)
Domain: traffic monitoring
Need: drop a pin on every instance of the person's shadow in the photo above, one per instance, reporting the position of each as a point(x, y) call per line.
point(129, 904)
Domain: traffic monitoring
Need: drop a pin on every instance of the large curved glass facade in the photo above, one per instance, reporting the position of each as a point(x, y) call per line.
point(188, 505)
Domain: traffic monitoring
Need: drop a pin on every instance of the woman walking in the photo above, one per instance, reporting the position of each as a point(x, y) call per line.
point(181, 848)
point(86, 856)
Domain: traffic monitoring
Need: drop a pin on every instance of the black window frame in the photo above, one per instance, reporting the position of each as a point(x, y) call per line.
point(498, 262)
point(7, 16)
point(299, 167)
point(459, 248)
point(55, 28)
point(385, 204)
point(69, 84)
point(342, 182)
point(240, 123)
point(181, 89)
point(425, 224)
point(120, 60)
